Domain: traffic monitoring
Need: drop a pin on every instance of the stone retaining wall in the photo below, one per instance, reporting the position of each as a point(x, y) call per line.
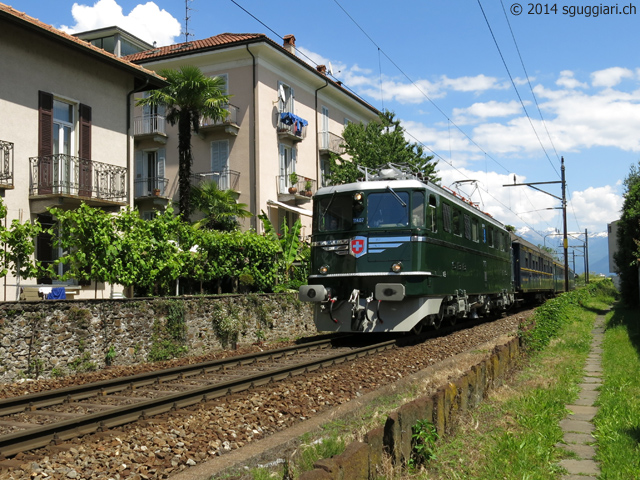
point(49, 338)
point(360, 460)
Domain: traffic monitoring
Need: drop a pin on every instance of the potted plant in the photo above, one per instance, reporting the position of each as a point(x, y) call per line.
point(156, 192)
point(307, 188)
point(293, 178)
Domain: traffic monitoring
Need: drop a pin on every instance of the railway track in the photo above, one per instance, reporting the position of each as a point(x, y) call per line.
point(36, 420)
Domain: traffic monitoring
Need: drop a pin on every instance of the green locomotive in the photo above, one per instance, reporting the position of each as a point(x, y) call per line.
point(395, 253)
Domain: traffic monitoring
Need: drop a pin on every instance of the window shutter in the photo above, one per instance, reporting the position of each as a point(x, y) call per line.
point(160, 170)
point(45, 142)
point(85, 151)
point(139, 173)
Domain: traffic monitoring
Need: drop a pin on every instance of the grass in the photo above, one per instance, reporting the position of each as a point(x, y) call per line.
point(618, 419)
point(513, 435)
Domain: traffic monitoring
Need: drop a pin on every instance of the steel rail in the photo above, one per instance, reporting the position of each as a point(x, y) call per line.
point(58, 396)
point(37, 437)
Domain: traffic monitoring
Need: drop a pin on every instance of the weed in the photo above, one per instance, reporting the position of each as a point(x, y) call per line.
point(110, 356)
point(423, 441)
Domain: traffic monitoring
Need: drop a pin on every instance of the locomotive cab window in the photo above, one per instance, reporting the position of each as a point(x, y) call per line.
point(432, 213)
point(417, 210)
point(334, 213)
point(388, 209)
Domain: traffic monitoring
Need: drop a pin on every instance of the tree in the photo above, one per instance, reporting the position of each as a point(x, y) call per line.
point(189, 97)
point(220, 208)
point(375, 145)
point(626, 257)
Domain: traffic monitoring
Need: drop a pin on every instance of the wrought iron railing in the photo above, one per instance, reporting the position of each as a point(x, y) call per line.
point(67, 175)
point(225, 179)
point(150, 124)
point(150, 187)
point(305, 186)
point(6, 164)
point(330, 142)
point(230, 119)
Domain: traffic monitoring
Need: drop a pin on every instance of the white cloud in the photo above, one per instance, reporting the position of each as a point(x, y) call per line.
point(485, 110)
point(595, 206)
point(610, 77)
point(145, 21)
point(509, 205)
point(567, 80)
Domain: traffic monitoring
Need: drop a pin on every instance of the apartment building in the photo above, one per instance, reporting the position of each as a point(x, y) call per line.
point(64, 135)
point(285, 116)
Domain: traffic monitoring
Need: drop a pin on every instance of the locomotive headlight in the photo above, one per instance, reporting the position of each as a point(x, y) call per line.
point(324, 269)
point(358, 202)
point(396, 267)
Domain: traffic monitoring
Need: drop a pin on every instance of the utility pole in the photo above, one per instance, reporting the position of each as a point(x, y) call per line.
point(564, 215)
point(564, 224)
point(586, 256)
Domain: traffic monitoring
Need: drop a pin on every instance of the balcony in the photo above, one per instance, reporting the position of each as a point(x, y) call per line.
point(291, 126)
point(225, 179)
point(151, 126)
point(301, 192)
point(230, 124)
point(73, 180)
point(150, 187)
point(330, 143)
point(6, 165)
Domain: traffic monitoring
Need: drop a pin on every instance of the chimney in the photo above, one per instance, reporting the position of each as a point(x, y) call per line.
point(290, 44)
point(322, 69)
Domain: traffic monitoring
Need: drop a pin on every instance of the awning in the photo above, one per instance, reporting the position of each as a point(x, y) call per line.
point(301, 211)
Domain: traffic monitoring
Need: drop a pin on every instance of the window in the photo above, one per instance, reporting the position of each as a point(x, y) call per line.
point(432, 213)
point(490, 236)
point(153, 118)
point(388, 209)
point(149, 173)
point(324, 128)
point(64, 134)
point(220, 163)
point(457, 219)
point(287, 166)
point(285, 98)
point(446, 217)
point(474, 230)
point(417, 210)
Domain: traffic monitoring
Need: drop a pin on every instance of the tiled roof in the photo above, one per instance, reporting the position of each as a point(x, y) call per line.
point(223, 39)
point(11, 14)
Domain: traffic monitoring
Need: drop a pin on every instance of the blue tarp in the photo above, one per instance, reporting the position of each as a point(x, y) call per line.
point(291, 119)
point(57, 293)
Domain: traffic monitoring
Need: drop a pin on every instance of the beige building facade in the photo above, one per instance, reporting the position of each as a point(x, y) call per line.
point(64, 137)
point(285, 116)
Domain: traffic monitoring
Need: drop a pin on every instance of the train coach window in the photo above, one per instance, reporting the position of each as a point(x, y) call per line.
point(417, 210)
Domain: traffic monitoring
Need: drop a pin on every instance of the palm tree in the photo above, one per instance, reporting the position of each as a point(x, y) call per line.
point(219, 207)
point(190, 96)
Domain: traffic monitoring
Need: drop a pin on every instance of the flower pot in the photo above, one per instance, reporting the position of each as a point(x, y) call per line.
point(293, 190)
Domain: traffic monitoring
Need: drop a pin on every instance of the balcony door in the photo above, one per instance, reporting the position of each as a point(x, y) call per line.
point(287, 166)
point(63, 139)
point(149, 172)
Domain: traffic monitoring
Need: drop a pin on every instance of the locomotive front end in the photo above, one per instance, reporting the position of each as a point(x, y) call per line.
point(365, 257)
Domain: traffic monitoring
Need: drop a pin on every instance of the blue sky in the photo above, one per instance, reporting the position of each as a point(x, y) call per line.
point(435, 63)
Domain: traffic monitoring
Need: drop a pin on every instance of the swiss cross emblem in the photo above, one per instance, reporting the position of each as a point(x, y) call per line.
point(358, 246)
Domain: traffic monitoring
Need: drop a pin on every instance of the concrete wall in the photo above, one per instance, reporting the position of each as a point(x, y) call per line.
point(360, 460)
point(47, 338)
